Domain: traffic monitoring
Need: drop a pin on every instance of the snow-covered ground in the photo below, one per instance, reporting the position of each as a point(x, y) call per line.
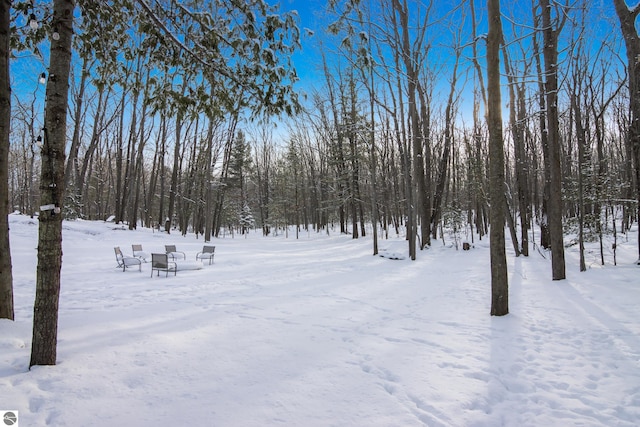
point(318, 332)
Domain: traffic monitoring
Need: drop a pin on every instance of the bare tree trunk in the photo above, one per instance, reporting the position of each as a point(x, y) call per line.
point(423, 209)
point(476, 169)
point(137, 167)
point(542, 120)
point(129, 183)
point(72, 168)
point(353, 159)
point(576, 88)
point(119, 160)
point(516, 118)
point(341, 167)
point(550, 53)
point(446, 151)
point(499, 279)
point(174, 173)
point(373, 161)
point(98, 127)
point(208, 181)
point(404, 152)
point(6, 276)
point(161, 168)
point(224, 175)
point(45, 309)
point(628, 17)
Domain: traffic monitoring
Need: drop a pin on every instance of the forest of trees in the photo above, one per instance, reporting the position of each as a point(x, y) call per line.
point(172, 111)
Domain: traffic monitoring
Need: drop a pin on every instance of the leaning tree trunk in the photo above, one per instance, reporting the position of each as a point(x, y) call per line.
point(45, 309)
point(499, 279)
point(6, 277)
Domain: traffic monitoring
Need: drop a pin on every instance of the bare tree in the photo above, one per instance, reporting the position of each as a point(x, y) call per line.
point(499, 280)
point(517, 122)
point(628, 17)
point(476, 169)
point(413, 59)
point(551, 31)
point(576, 87)
point(6, 277)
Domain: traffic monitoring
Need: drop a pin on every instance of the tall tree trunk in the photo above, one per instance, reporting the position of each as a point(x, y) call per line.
point(174, 173)
point(224, 175)
point(45, 309)
point(6, 276)
point(353, 154)
point(98, 127)
point(208, 180)
point(372, 147)
point(161, 149)
point(544, 139)
point(499, 279)
point(581, 140)
point(517, 116)
point(417, 138)
point(119, 161)
point(340, 161)
point(426, 202)
point(137, 181)
point(404, 152)
point(129, 182)
point(550, 53)
point(628, 17)
point(476, 169)
point(72, 168)
point(446, 151)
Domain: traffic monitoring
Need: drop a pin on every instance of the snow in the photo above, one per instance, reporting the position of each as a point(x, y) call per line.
point(318, 332)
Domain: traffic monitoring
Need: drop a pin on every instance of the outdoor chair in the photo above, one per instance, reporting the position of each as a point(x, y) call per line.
point(207, 253)
point(160, 262)
point(125, 261)
point(139, 253)
point(173, 252)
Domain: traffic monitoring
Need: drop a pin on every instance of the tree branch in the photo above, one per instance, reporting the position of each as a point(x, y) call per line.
point(182, 46)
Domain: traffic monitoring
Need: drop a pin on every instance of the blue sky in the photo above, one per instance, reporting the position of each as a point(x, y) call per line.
point(313, 16)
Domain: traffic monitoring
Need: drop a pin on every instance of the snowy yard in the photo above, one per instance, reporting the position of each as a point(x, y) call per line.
point(318, 332)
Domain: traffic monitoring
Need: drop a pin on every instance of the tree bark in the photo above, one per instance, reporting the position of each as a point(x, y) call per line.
point(72, 168)
point(517, 117)
point(6, 276)
point(627, 17)
point(443, 170)
point(542, 120)
point(499, 279)
point(373, 161)
point(550, 53)
point(423, 210)
point(174, 173)
point(45, 310)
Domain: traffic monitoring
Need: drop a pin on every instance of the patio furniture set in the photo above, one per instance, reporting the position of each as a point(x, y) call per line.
point(160, 261)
